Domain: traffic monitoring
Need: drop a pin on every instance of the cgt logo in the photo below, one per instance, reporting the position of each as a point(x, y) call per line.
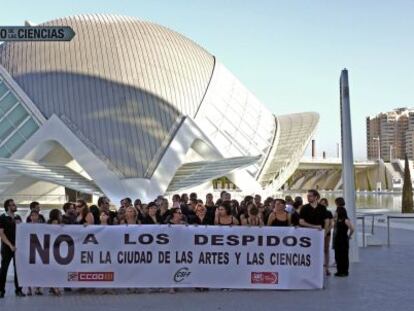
point(264, 278)
point(90, 277)
point(181, 274)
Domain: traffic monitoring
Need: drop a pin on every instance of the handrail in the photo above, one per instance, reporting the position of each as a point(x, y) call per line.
point(388, 225)
point(363, 229)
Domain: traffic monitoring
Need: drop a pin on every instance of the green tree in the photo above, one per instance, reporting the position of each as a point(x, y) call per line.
point(407, 193)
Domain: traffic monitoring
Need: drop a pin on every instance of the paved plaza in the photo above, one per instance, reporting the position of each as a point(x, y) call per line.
point(382, 280)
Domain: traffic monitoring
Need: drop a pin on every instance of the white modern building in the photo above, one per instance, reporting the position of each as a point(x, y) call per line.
point(131, 108)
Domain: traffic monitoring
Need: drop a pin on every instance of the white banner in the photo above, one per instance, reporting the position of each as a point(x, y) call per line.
point(169, 256)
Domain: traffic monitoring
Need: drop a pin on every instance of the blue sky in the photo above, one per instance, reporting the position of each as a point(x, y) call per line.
point(288, 53)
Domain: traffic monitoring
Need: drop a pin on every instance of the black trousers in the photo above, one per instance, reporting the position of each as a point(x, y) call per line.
point(342, 259)
point(6, 256)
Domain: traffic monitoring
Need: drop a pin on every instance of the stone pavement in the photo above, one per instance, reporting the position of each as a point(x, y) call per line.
point(382, 280)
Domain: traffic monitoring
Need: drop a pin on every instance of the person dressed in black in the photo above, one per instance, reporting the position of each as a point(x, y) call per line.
point(295, 216)
point(251, 216)
point(152, 218)
point(202, 217)
point(279, 217)
point(106, 215)
point(313, 214)
point(69, 216)
point(224, 216)
point(95, 213)
point(329, 216)
point(8, 239)
point(35, 206)
point(210, 206)
point(163, 212)
point(342, 233)
point(55, 218)
point(85, 217)
point(189, 211)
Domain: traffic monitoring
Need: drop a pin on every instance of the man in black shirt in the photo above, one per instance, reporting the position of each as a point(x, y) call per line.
point(8, 240)
point(188, 211)
point(35, 206)
point(313, 214)
point(104, 210)
point(210, 206)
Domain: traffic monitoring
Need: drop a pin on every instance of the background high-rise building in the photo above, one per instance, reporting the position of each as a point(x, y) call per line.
point(392, 133)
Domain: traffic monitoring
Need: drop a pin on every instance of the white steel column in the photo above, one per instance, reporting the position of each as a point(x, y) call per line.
point(348, 175)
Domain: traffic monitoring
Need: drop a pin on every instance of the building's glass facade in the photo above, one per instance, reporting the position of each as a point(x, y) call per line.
point(234, 119)
point(16, 124)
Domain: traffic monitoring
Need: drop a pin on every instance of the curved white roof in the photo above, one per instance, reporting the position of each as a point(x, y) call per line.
point(294, 132)
point(121, 85)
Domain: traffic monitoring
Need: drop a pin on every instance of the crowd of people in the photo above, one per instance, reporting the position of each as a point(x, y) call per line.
point(184, 209)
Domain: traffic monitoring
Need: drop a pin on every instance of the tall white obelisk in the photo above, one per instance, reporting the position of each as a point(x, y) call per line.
point(348, 177)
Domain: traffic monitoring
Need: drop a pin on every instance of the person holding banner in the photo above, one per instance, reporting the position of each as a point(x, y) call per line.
point(295, 216)
point(210, 206)
point(313, 214)
point(202, 218)
point(279, 216)
point(131, 216)
point(251, 216)
point(163, 212)
point(138, 208)
point(84, 214)
point(55, 218)
point(69, 216)
point(8, 238)
point(35, 206)
point(105, 213)
point(152, 218)
point(224, 215)
point(34, 217)
point(176, 217)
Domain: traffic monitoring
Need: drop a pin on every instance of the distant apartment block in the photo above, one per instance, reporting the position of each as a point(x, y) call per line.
point(390, 135)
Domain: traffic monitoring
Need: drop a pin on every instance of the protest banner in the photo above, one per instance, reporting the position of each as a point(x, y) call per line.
point(155, 256)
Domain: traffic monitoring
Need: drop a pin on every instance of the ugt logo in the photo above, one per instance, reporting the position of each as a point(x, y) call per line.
point(181, 274)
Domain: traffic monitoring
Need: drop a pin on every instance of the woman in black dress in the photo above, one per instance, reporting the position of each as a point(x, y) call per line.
point(152, 218)
point(163, 212)
point(328, 230)
point(251, 217)
point(85, 217)
point(279, 217)
point(342, 233)
point(202, 218)
point(224, 215)
point(55, 218)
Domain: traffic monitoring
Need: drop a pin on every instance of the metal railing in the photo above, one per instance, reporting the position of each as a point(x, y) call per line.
point(389, 217)
point(361, 216)
point(363, 229)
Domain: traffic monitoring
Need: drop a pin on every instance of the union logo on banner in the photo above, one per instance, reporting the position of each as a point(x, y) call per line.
point(90, 276)
point(72, 276)
point(264, 278)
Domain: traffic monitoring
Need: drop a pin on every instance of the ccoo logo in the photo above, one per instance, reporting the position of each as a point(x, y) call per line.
point(181, 274)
